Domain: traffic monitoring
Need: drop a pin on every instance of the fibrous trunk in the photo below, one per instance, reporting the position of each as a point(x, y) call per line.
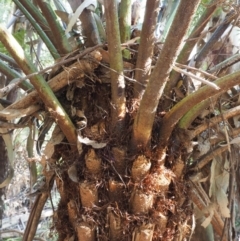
point(107, 193)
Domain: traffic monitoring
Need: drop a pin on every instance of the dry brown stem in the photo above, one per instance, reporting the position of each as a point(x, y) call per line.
point(203, 204)
point(215, 120)
point(205, 159)
point(69, 75)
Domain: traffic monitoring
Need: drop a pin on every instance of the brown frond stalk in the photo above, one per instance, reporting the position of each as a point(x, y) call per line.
point(145, 51)
point(144, 120)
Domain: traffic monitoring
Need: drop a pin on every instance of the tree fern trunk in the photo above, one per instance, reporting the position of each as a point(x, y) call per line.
point(106, 193)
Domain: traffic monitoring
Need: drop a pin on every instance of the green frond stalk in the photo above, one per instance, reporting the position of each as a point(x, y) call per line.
point(172, 6)
point(116, 64)
point(43, 89)
point(37, 15)
point(125, 23)
point(6, 70)
point(181, 108)
point(61, 43)
point(8, 59)
point(100, 27)
point(193, 113)
point(39, 30)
